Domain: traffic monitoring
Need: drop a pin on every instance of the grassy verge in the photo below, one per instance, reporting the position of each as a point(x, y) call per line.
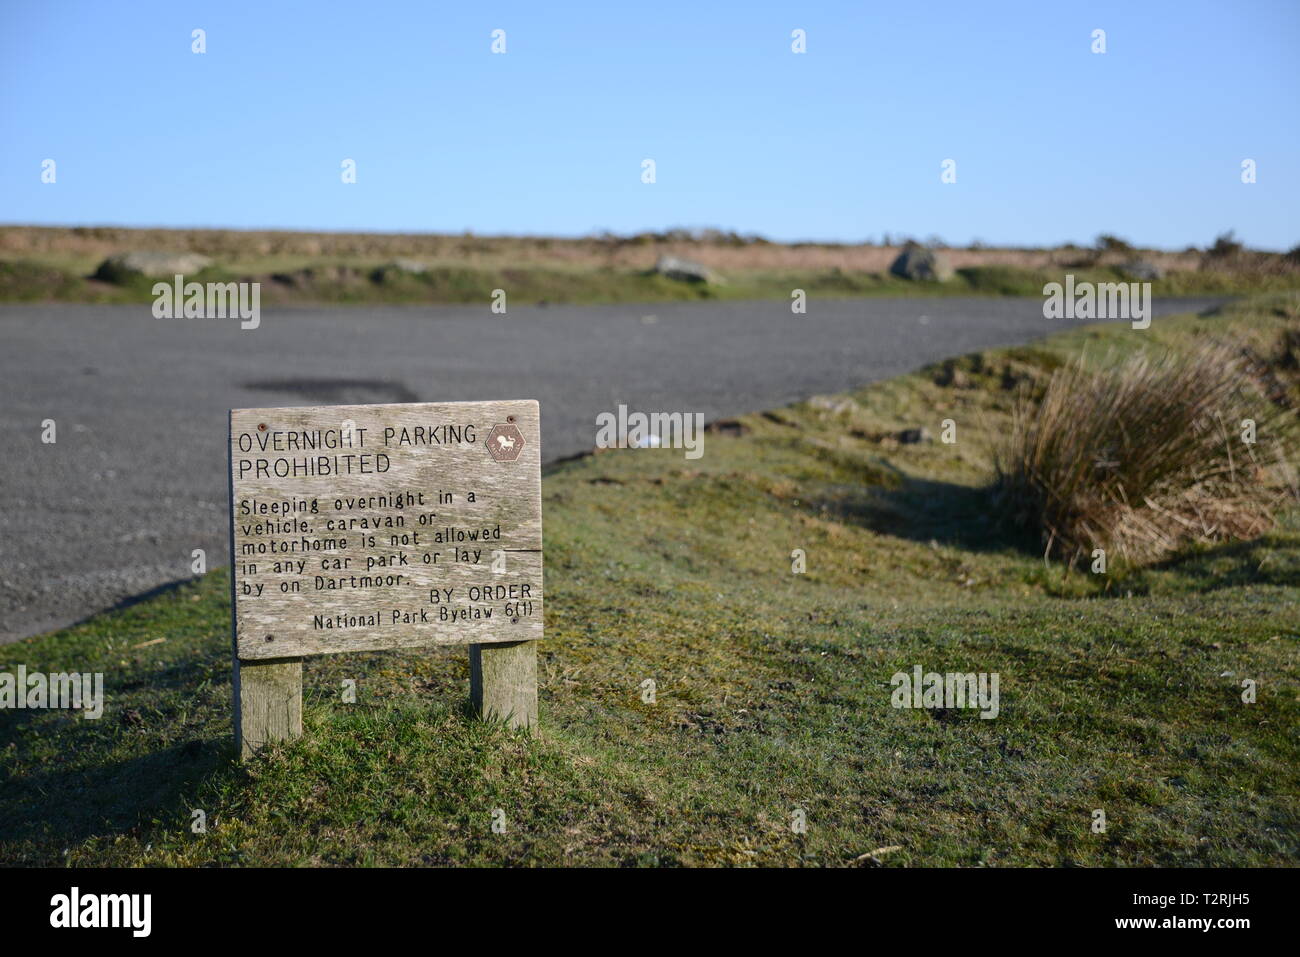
point(1119, 692)
point(370, 283)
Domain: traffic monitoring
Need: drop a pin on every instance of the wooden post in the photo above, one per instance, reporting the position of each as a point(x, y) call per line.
point(503, 682)
point(267, 692)
point(268, 702)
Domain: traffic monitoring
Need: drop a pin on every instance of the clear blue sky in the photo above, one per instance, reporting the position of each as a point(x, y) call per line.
point(845, 142)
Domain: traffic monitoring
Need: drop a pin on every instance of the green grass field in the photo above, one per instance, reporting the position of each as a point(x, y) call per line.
point(1119, 692)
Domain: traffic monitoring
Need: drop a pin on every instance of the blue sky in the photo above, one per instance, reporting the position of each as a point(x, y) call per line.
point(1052, 142)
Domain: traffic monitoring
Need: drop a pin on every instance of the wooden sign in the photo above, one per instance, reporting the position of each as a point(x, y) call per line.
point(371, 527)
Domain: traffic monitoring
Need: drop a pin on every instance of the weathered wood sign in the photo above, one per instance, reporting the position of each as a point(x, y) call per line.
point(371, 527)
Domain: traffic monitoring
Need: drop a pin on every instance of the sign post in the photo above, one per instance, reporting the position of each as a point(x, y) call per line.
point(374, 527)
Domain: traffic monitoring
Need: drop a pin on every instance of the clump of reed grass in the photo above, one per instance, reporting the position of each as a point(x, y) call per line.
point(1143, 455)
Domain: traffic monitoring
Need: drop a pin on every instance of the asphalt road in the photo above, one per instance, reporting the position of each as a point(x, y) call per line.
point(137, 476)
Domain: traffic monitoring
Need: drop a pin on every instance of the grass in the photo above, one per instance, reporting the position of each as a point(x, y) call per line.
point(1145, 455)
point(40, 264)
point(1118, 692)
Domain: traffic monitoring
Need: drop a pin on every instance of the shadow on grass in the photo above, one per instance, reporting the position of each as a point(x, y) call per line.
point(70, 804)
point(924, 510)
point(130, 601)
point(1261, 561)
point(969, 518)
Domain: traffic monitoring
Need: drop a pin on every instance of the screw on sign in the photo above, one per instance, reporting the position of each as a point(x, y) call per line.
point(505, 442)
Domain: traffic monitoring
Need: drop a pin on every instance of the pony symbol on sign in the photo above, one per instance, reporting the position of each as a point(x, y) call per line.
point(505, 442)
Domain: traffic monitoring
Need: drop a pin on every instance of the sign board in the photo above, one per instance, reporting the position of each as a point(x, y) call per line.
point(368, 527)
point(365, 527)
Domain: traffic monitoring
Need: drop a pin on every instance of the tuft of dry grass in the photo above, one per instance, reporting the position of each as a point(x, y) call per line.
point(1144, 455)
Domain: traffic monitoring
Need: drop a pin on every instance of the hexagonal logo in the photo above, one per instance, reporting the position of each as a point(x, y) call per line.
point(505, 442)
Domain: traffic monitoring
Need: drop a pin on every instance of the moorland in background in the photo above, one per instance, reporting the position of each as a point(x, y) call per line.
point(84, 264)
